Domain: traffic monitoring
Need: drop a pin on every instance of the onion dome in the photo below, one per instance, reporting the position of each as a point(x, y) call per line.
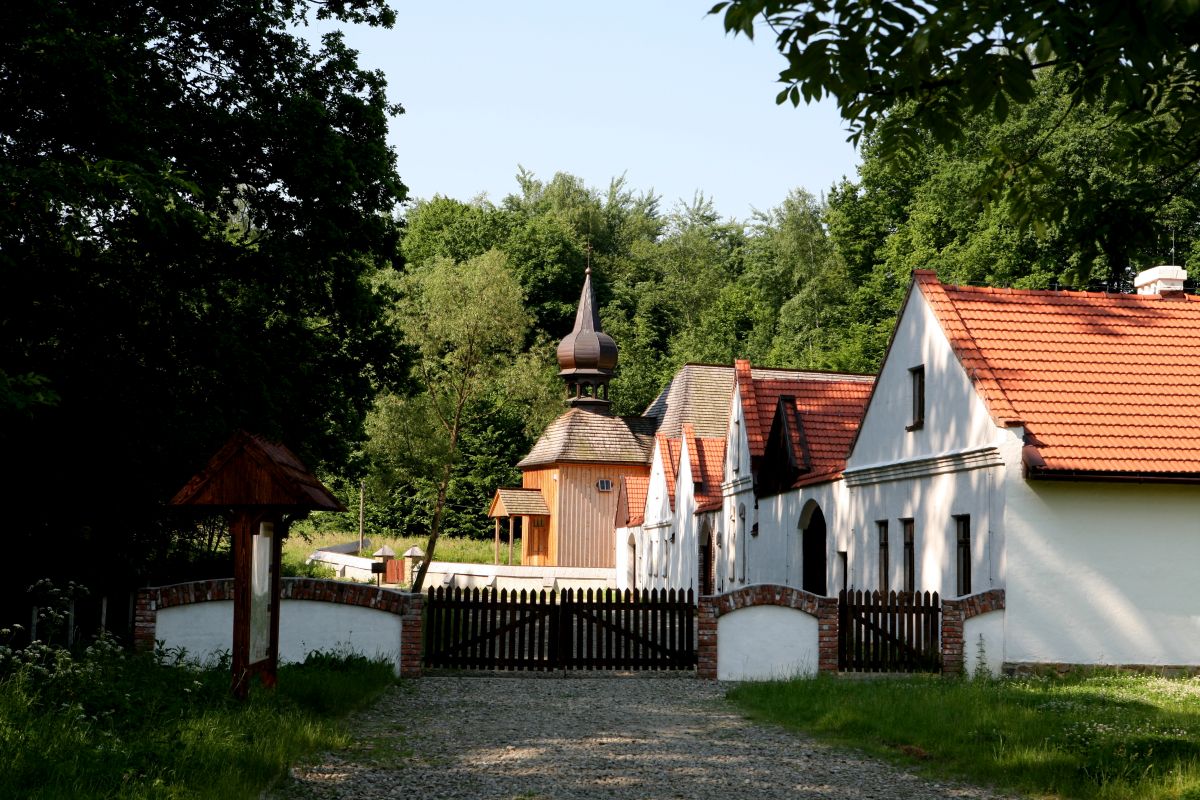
point(587, 355)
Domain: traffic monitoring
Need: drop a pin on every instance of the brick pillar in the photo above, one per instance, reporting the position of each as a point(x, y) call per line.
point(827, 634)
point(411, 639)
point(145, 621)
point(706, 645)
point(952, 637)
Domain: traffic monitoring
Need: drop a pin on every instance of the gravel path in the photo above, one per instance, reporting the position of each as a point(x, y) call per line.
point(561, 738)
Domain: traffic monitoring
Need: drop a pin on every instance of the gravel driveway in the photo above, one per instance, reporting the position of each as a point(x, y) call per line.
point(557, 738)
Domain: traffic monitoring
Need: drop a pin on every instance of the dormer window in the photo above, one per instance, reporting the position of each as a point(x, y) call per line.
point(917, 378)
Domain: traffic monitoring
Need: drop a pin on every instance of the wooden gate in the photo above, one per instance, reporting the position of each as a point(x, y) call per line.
point(482, 629)
point(896, 632)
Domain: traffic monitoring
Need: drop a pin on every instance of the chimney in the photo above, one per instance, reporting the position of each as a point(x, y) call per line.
point(1165, 280)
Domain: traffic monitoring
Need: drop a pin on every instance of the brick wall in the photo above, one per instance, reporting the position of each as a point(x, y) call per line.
point(954, 614)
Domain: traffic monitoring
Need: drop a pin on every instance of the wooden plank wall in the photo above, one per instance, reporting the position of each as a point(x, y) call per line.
point(584, 533)
point(544, 480)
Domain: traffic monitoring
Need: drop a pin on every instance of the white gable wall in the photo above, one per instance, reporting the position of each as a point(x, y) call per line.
point(683, 553)
point(656, 527)
point(737, 507)
point(953, 465)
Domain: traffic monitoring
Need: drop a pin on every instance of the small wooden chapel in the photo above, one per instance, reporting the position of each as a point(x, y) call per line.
point(569, 481)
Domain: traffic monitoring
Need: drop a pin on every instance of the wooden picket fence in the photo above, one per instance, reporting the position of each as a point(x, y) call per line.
point(893, 632)
point(572, 629)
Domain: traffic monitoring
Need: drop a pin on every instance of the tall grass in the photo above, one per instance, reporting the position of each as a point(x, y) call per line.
point(111, 724)
point(1110, 737)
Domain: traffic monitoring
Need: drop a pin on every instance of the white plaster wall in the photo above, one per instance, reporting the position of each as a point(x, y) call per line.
point(956, 418)
point(932, 502)
point(763, 643)
point(1102, 573)
point(776, 554)
point(986, 631)
point(626, 562)
point(683, 553)
point(656, 527)
point(205, 630)
point(737, 492)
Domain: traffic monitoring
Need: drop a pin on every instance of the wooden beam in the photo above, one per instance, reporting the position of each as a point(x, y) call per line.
point(510, 537)
point(496, 559)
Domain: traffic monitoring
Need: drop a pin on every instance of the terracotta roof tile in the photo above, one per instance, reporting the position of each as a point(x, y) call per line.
point(711, 472)
point(1103, 383)
point(631, 511)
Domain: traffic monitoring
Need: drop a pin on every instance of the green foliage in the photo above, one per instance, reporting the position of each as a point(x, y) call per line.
point(104, 723)
point(191, 206)
point(1103, 736)
point(909, 74)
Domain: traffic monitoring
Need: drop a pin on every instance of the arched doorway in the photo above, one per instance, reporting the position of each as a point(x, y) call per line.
point(813, 553)
point(631, 568)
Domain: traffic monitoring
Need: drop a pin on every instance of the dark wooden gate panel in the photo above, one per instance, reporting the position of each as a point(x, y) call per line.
point(483, 629)
point(893, 632)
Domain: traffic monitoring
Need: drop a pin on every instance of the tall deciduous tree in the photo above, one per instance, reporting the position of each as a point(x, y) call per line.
point(467, 324)
point(901, 69)
point(191, 199)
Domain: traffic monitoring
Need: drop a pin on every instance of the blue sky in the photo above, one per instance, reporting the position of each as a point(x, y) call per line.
point(652, 89)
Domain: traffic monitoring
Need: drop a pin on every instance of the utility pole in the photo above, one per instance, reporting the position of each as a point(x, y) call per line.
point(362, 487)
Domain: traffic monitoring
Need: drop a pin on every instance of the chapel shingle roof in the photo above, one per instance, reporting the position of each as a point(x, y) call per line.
point(1103, 383)
point(583, 436)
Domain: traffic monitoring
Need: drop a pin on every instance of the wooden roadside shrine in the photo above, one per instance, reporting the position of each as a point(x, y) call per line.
point(264, 488)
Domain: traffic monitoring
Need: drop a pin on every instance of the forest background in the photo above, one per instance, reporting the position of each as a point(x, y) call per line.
point(202, 229)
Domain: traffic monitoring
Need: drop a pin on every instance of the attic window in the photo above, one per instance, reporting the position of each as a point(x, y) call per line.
point(917, 375)
point(604, 485)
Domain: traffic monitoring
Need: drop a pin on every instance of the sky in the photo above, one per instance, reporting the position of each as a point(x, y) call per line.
point(654, 90)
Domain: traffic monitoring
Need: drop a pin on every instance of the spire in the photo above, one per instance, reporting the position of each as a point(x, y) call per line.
point(587, 356)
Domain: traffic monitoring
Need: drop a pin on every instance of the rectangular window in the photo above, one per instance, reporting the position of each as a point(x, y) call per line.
point(917, 374)
point(884, 558)
point(962, 524)
point(910, 556)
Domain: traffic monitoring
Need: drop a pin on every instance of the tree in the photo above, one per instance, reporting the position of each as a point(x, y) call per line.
point(192, 202)
point(901, 68)
point(467, 324)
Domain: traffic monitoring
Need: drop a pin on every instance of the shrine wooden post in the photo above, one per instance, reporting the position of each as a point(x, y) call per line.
point(263, 488)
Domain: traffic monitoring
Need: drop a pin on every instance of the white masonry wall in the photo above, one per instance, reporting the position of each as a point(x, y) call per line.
point(762, 643)
point(205, 630)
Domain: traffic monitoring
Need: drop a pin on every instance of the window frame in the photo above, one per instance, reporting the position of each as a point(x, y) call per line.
point(917, 390)
point(962, 550)
point(881, 531)
point(909, 526)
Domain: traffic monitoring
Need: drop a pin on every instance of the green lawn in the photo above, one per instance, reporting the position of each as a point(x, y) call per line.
point(469, 551)
point(1111, 737)
point(115, 725)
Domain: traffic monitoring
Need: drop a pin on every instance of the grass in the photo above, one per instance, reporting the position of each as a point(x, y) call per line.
point(111, 724)
point(462, 550)
point(1109, 737)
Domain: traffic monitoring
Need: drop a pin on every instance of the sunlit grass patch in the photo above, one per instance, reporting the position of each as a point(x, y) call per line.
point(1113, 737)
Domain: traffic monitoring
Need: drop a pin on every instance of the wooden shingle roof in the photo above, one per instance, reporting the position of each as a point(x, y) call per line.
point(584, 436)
point(516, 502)
point(699, 395)
point(252, 471)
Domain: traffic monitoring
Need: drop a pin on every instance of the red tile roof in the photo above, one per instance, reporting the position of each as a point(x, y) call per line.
point(829, 406)
point(711, 473)
point(631, 510)
point(1103, 383)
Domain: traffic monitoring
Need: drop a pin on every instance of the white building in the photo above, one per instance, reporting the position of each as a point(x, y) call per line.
point(1046, 444)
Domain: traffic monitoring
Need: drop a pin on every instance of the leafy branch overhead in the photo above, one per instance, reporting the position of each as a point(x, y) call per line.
point(898, 68)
